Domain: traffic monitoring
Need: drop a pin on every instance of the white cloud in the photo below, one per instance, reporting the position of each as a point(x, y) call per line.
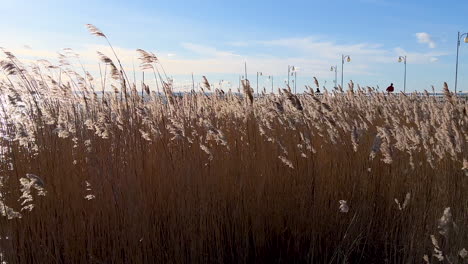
point(420, 58)
point(238, 44)
point(424, 37)
point(327, 49)
point(206, 50)
point(33, 54)
point(314, 57)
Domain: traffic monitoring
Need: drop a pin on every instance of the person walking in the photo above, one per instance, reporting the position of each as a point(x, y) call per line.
point(390, 89)
point(318, 90)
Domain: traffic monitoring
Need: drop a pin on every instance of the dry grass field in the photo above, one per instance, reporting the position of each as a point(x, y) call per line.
point(354, 176)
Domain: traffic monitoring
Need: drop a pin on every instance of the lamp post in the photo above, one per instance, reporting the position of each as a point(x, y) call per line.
point(460, 36)
point(258, 74)
point(403, 59)
point(291, 70)
point(295, 81)
point(348, 59)
point(241, 77)
point(271, 78)
point(193, 83)
point(245, 69)
point(334, 68)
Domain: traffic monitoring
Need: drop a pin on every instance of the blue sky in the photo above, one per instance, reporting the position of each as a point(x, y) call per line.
point(214, 38)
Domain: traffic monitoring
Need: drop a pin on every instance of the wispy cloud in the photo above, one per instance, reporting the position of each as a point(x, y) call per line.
point(424, 37)
point(313, 55)
point(238, 43)
point(420, 58)
point(326, 49)
point(207, 50)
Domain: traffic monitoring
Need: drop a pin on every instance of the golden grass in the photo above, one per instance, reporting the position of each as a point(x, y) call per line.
point(345, 177)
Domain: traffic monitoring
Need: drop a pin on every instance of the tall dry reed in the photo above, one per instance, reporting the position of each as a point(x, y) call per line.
point(218, 177)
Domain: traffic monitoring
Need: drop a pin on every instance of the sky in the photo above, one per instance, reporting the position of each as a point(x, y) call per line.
point(216, 38)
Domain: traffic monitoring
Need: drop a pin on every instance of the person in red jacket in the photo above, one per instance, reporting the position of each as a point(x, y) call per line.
point(390, 89)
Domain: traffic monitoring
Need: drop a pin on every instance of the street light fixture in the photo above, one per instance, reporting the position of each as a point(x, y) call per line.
point(258, 74)
point(245, 69)
point(295, 80)
point(293, 72)
point(348, 59)
point(460, 36)
point(241, 77)
point(403, 59)
point(290, 69)
point(271, 78)
point(335, 68)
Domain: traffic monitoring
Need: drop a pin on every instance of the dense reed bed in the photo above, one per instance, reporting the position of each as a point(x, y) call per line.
point(355, 176)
